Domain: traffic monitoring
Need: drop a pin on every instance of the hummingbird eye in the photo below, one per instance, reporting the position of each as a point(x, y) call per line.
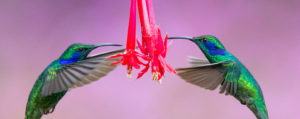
point(80, 50)
point(204, 40)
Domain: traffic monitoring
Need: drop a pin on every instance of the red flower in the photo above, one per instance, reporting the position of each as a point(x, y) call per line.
point(152, 42)
point(153, 48)
point(130, 55)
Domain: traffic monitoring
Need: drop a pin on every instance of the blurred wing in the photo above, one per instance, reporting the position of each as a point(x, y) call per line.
point(206, 75)
point(60, 78)
point(197, 62)
point(209, 76)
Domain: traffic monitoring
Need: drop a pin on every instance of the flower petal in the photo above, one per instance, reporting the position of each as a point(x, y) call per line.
point(142, 56)
point(117, 62)
point(137, 60)
point(169, 46)
point(167, 66)
point(144, 70)
point(160, 45)
point(164, 53)
point(133, 62)
point(125, 62)
point(142, 48)
point(115, 56)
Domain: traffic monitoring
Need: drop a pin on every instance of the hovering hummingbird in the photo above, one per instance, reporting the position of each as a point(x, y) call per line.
point(72, 69)
point(225, 69)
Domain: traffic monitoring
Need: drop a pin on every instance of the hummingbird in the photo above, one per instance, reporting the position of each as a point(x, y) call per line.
point(72, 69)
point(223, 68)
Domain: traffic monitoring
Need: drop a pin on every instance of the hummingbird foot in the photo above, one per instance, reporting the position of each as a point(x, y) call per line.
point(46, 112)
point(49, 111)
point(243, 102)
point(52, 110)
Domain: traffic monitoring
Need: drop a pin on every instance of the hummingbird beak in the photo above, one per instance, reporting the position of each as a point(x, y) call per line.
point(182, 37)
point(106, 44)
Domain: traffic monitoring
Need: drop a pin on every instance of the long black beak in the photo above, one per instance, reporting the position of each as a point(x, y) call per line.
point(182, 37)
point(106, 44)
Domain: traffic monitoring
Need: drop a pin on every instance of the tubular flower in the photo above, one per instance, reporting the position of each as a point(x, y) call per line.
point(152, 45)
point(130, 56)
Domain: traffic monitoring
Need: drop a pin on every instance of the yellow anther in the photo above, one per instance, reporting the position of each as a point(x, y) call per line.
point(155, 76)
point(128, 75)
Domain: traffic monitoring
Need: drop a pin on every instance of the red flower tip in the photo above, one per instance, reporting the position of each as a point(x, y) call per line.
point(152, 43)
point(144, 70)
point(130, 56)
point(129, 69)
point(153, 47)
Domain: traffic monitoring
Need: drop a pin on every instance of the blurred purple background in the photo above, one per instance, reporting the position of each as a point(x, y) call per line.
point(263, 35)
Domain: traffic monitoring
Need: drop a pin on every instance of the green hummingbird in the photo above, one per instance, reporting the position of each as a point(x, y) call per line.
point(72, 69)
point(225, 69)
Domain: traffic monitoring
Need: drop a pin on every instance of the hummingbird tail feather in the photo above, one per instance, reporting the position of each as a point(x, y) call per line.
point(261, 114)
point(34, 114)
point(259, 110)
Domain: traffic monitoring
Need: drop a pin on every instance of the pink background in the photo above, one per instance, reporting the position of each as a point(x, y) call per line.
point(263, 35)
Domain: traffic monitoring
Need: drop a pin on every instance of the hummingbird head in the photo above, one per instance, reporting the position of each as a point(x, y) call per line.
point(79, 51)
point(210, 45)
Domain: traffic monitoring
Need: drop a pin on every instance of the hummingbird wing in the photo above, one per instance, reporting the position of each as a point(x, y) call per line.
point(197, 62)
point(63, 77)
point(205, 75)
point(209, 76)
point(232, 74)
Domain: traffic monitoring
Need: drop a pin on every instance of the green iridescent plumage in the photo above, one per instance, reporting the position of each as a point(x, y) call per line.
point(72, 69)
point(225, 69)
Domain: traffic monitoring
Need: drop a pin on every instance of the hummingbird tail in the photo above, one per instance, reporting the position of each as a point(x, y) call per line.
point(34, 114)
point(262, 114)
point(259, 110)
